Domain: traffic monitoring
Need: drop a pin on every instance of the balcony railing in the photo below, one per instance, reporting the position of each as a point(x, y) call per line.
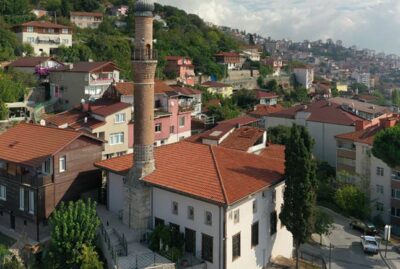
point(29, 179)
point(145, 55)
point(185, 108)
point(101, 81)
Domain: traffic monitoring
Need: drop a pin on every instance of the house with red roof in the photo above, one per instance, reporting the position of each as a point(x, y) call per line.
point(39, 168)
point(216, 87)
point(86, 19)
point(45, 37)
point(220, 197)
point(230, 59)
point(324, 120)
point(173, 110)
point(267, 98)
point(181, 67)
point(357, 165)
point(105, 119)
point(82, 80)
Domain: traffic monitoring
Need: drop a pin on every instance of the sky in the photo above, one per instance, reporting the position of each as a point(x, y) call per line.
point(373, 24)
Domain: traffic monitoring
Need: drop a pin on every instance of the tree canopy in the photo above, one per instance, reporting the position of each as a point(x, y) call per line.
point(299, 195)
point(73, 226)
point(352, 201)
point(386, 146)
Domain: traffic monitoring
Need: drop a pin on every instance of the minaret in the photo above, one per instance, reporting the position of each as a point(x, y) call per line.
point(137, 209)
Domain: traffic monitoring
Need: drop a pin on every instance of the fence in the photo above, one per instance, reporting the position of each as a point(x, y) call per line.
point(315, 260)
point(151, 260)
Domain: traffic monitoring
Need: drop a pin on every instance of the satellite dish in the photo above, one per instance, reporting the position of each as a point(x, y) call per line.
point(42, 122)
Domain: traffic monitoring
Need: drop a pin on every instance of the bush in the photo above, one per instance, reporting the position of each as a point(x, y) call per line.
point(352, 201)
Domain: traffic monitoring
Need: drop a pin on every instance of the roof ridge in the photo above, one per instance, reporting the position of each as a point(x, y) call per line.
point(219, 175)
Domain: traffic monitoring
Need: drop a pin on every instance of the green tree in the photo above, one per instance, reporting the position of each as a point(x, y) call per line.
point(260, 82)
point(3, 111)
point(245, 99)
point(272, 85)
point(396, 97)
point(300, 95)
point(352, 201)
point(65, 8)
point(89, 258)
point(72, 226)
point(323, 224)
point(299, 195)
point(4, 252)
point(9, 44)
point(265, 70)
point(386, 146)
point(334, 92)
point(75, 53)
point(223, 112)
point(362, 88)
point(279, 134)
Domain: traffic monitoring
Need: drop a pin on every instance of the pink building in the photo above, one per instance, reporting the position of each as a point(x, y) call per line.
point(182, 67)
point(172, 118)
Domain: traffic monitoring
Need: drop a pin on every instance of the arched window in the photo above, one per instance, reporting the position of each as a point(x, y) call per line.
point(148, 51)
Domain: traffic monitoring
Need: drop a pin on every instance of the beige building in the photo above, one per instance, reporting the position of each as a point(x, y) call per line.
point(44, 36)
point(218, 88)
point(83, 80)
point(87, 19)
point(357, 165)
point(105, 119)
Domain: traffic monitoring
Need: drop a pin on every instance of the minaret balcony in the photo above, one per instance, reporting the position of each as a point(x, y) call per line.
point(145, 55)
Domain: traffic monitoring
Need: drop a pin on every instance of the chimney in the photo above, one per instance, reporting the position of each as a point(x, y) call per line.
point(361, 125)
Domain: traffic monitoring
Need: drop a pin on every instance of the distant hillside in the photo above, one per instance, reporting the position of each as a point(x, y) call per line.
point(184, 35)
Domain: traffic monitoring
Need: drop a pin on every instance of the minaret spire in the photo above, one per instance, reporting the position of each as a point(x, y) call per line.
point(137, 210)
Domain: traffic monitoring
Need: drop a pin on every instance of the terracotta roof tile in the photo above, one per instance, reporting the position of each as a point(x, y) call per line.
point(185, 90)
point(86, 67)
point(106, 108)
point(210, 173)
point(43, 24)
point(160, 87)
point(31, 144)
point(30, 61)
point(243, 138)
point(88, 14)
point(264, 110)
point(320, 111)
point(274, 151)
point(264, 94)
point(228, 54)
point(214, 84)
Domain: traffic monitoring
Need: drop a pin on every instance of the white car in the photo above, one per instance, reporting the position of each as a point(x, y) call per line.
point(369, 244)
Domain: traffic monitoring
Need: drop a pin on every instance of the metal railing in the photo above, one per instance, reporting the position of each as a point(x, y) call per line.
point(145, 55)
point(151, 260)
point(122, 241)
point(107, 242)
point(315, 260)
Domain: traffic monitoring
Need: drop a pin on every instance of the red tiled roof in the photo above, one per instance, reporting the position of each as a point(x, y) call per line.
point(243, 138)
point(263, 94)
point(67, 117)
point(320, 111)
point(173, 58)
point(103, 107)
point(127, 88)
point(43, 24)
point(215, 84)
point(88, 14)
point(30, 61)
point(274, 151)
point(228, 54)
point(31, 144)
point(215, 174)
point(264, 110)
point(185, 90)
point(243, 120)
point(363, 136)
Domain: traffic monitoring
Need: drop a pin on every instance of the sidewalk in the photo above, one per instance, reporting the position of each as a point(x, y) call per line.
point(392, 258)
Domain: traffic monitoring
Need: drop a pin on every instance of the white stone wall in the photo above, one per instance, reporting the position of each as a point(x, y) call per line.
point(269, 246)
point(115, 193)
point(26, 37)
point(162, 208)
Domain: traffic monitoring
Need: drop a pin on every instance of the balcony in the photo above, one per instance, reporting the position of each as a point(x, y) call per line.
point(28, 178)
point(48, 41)
point(186, 108)
point(101, 81)
point(346, 153)
point(145, 55)
point(396, 175)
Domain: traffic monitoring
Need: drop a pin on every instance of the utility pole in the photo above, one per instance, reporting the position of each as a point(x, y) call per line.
point(330, 255)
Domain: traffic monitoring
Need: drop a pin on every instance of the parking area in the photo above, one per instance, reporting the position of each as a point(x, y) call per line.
point(346, 251)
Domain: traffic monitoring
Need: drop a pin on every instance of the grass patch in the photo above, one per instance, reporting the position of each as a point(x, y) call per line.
point(7, 241)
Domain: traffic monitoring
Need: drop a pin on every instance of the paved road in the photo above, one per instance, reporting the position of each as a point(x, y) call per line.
point(346, 251)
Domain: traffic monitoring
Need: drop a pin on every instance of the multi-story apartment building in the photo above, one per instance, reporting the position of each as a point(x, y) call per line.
point(43, 36)
point(172, 111)
point(182, 67)
point(363, 78)
point(275, 63)
point(357, 165)
point(230, 59)
point(83, 80)
point(228, 214)
point(193, 101)
point(106, 119)
point(304, 76)
point(325, 119)
point(39, 168)
point(86, 19)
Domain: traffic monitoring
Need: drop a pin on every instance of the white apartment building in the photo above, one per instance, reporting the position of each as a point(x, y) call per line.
point(229, 218)
point(304, 76)
point(44, 36)
point(363, 78)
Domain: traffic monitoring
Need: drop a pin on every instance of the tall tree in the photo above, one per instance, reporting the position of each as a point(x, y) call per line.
point(299, 196)
point(396, 97)
point(387, 146)
point(72, 226)
point(65, 8)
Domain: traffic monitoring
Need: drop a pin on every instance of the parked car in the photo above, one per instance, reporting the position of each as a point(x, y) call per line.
point(369, 244)
point(365, 227)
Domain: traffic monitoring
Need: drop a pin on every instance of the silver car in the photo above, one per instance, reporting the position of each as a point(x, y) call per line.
point(369, 244)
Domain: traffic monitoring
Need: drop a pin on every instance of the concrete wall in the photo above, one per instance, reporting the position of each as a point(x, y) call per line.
point(25, 37)
point(115, 193)
point(269, 246)
point(162, 208)
point(323, 134)
point(73, 85)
